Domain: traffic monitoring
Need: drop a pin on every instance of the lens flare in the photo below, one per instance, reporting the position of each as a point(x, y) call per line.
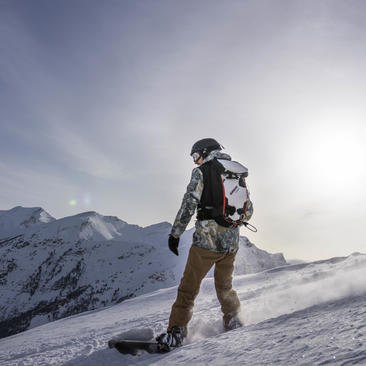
point(72, 202)
point(86, 199)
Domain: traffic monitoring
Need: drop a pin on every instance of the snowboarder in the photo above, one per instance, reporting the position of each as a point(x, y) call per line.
point(212, 244)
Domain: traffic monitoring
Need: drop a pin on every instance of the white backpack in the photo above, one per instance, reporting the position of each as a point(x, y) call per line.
point(237, 207)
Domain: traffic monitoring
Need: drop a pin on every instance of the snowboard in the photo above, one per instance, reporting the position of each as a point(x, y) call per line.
point(136, 341)
point(133, 347)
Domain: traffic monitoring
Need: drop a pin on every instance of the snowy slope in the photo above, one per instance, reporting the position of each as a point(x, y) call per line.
point(252, 259)
point(63, 267)
point(305, 314)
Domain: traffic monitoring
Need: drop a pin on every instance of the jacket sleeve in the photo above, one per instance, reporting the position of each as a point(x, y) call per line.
point(190, 202)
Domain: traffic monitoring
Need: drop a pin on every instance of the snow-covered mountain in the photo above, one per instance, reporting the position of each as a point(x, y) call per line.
point(299, 315)
point(52, 268)
point(17, 220)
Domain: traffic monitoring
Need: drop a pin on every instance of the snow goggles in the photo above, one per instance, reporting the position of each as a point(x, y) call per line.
point(196, 156)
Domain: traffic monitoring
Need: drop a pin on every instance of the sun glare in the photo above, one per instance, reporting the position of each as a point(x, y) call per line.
point(332, 156)
point(338, 158)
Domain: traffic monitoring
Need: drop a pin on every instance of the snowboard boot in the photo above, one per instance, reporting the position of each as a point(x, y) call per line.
point(172, 339)
point(233, 323)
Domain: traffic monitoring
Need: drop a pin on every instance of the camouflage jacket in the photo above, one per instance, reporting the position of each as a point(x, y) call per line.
point(208, 234)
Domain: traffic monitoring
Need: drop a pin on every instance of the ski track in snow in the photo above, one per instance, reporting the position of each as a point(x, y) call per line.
point(305, 314)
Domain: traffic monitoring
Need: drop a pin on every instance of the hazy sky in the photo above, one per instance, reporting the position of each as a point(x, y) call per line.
point(101, 101)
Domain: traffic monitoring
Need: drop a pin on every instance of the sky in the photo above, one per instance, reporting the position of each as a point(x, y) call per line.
point(101, 102)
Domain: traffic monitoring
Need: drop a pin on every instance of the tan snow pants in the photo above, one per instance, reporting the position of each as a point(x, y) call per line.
point(198, 264)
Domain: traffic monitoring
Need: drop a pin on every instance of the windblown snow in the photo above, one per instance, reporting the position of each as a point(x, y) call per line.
point(303, 314)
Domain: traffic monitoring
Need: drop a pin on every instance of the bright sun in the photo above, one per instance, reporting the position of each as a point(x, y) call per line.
point(338, 157)
point(333, 156)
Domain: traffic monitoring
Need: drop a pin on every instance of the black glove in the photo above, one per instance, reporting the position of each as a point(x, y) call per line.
point(173, 244)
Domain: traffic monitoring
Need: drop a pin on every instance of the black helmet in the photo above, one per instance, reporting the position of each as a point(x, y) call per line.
point(204, 146)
